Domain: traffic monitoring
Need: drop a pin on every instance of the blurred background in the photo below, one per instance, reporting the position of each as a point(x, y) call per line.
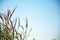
point(43, 16)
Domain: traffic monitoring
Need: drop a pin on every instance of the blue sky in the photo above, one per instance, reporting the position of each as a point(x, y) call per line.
point(43, 16)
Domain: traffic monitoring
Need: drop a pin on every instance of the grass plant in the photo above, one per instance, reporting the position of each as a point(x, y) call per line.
point(8, 27)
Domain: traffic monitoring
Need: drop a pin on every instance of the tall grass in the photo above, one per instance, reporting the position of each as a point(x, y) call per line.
point(8, 27)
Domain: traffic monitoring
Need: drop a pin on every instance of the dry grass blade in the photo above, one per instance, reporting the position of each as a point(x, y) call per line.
point(15, 23)
point(18, 22)
point(13, 11)
point(16, 35)
point(9, 13)
point(22, 27)
point(0, 27)
point(20, 36)
point(26, 22)
point(28, 33)
point(1, 17)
